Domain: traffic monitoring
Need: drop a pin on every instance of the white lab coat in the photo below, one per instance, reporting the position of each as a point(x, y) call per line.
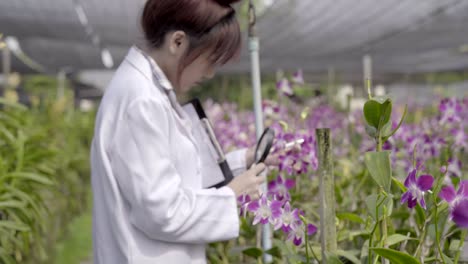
point(149, 204)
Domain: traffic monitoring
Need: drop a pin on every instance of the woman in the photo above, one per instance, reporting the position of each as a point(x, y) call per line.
point(149, 204)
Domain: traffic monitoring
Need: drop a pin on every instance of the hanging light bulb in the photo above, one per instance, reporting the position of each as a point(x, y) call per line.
point(106, 58)
point(13, 44)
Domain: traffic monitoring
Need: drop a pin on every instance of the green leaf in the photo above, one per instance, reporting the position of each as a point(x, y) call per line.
point(349, 255)
point(372, 112)
point(247, 230)
point(397, 238)
point(372, 203)
point(14, 226)
point(253, 252)
point(447, 259)
point(7, 134)
point(35, 203)
point(400, 185)
point(284, 125)
point(333, 259)
point(305, 113)
point(5, 257)
point(401, 214)
point(351, 217)
point(371, 131)
point(399, 123)
point(377, 111)
point(29, 176)
point(17, 106)
point(454, 245)
point(275, 252)
point(381, 99)
point(365, 250)
point(378, 164)
point(386, 129)
point(395, 257)
point(420, 215)
point(385, 118)
point(11, 236)
point(12, 204)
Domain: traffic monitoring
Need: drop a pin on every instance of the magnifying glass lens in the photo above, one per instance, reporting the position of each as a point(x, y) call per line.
point(264, 145)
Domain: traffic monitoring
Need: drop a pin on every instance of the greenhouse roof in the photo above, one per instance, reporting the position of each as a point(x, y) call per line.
point(403, 36)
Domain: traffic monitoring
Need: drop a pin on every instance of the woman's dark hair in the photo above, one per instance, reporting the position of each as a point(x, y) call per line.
point(210, 24)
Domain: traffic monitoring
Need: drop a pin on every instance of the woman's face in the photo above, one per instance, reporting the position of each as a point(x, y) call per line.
point(199, 70)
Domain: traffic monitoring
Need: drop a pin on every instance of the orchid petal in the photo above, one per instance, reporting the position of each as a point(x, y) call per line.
point(412, 203)
point(256, 219)
point(275, 208)
point(411, 178)
point(405, 197)
point(448, 193)
point(463, 188)
point(460, 214)
point(422, 203)
point(289, 183)
point(311, 229)
point(253, 206)
point(425, 182)
point(297, 241)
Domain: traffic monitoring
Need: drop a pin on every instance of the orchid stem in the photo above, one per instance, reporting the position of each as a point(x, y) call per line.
point(313, 253)
point(368, 84)
point(437, 232)
point(306, 237)
point(421, 241)
point(462, 240)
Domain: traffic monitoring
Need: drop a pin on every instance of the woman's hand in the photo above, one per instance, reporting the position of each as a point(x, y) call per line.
point(271, 160)
point(248, 182)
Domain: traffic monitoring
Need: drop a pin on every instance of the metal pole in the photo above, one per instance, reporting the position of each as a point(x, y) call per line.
point(257, 96)
point(331, 85)
point(367, 64)
point(60, 84)
point(6, 65)
point(327, 193)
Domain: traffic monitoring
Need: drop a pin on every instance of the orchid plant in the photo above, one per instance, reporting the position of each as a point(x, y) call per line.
point(412, 208)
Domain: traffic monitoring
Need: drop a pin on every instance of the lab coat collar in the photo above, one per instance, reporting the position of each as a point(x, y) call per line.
point(148, 67)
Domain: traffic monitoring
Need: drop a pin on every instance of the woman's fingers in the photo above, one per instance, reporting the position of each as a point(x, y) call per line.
point(260, 180)
point(273, 160)
point(258, 168)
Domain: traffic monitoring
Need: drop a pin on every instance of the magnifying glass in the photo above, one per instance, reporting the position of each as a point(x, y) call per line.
point(264, 145)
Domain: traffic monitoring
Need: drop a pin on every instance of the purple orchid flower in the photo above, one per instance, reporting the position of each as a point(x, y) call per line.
point(243, 202)
point(450, 110)
point(284, 87)
point(298, 77)
point(287, 162)
point(460, 138)
point(279, 188)
point(270, 108)
point(458, 202)
point(287, 219)
point(265, 211)
point(454, 167)
point(448, 193)
point(460, 214)
point(296, 235)
point(416, 189)
point(308, 153)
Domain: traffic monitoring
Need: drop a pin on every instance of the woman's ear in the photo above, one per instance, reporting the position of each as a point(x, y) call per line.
point(178, 43)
